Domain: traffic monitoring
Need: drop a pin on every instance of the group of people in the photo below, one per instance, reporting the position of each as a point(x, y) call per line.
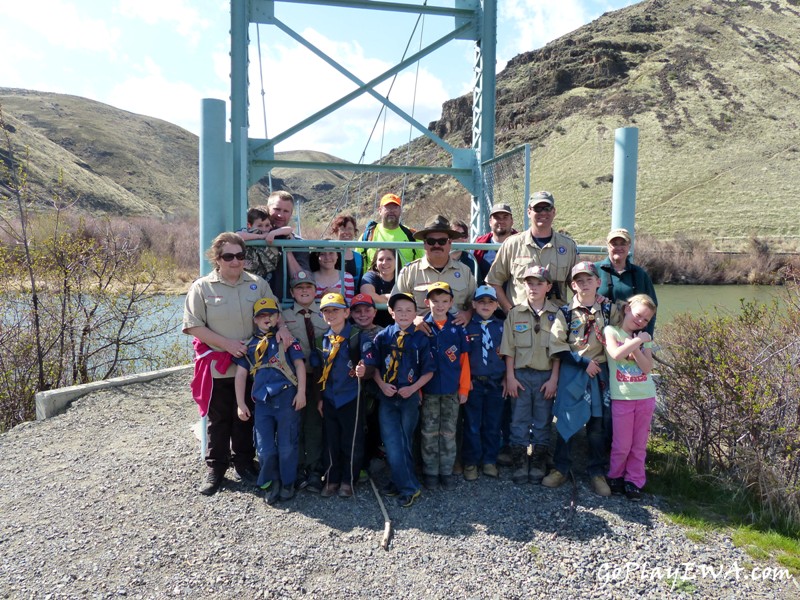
point(482, 346)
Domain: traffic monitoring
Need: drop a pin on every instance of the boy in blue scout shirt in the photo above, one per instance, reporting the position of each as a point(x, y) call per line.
point(339, 360)
point(446, 391)
point(279, 392)
point(484, 408)
point(533, 335)
point(583, 396)
point(404, 364)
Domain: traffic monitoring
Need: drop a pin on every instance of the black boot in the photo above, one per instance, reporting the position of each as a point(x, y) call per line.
point(274, 493)
point(211, 483)
point(519, 458)
point(538, 469)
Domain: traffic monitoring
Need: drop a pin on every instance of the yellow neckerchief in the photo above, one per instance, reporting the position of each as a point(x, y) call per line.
point(336, 342)
point(283, 364)
point(394, 363)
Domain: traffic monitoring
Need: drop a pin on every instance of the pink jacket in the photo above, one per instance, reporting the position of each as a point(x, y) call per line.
point(203, 381)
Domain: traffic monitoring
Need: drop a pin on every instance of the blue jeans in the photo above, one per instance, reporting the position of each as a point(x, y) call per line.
point(277, 456)
point(482, 415)
point(531, 412)
point(398, 418)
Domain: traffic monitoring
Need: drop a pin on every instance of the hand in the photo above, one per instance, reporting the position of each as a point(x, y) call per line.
point(235, 348)
point(284, 336)
point(593, 368)
point(299, 401)
point(601, 299)
point(405, 392)
point(388, 389)
point(243, 412)
point(462, 398)
point(463, 317)
point(421, 325)
point(644, 336)
point(361, 369)
point(549, 389)
point(513, 387)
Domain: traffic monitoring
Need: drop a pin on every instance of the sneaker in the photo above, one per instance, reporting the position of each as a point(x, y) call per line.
point(632, 492)
point(600, 487)
point(490, 470)
point(390, 491)
point(346, 491)
point(246, 474)
point(265, 486)
point(274, 494)
point(287, 492)
point(555, 479)
point(406, 501)
point(431, 482)
point(329, 490)
point(449, 482)
point(363, 476)
point(616, 485)
point(471, 472)
point(211, 483)
point(313, 483)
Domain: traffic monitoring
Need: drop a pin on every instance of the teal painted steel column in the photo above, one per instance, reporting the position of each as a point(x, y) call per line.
point(240, 20)
point(623, 198)
point(213, 192)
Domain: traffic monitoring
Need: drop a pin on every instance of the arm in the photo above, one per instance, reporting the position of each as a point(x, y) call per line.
point(550, 387)
point(410, 390)
point(465, 381)
point(215, 340)
point(239, 384)
point(619, 352)
point(369, 290)
point(270, 236)
point(246, 235)
point(511, 387)
point(388, 389)
point(502, 299)
point(300, 397)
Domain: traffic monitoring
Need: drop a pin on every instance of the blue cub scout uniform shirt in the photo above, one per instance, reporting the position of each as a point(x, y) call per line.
point(341, 386)
point(269, 380)
point(447, 346)
point(495, 364)
point(415, 357)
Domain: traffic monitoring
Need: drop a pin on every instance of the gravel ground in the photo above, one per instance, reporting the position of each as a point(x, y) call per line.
point(101, 502)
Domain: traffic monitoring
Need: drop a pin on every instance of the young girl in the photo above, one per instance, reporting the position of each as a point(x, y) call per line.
point(327, 268)
point(344, 228)
point(633, 395)
point(379, 281)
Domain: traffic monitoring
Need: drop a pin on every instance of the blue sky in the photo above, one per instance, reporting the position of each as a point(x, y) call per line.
point(161, 57)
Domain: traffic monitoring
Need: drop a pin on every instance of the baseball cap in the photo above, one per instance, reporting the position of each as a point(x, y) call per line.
point(302, 277)
point(485, 291)
point(584, 267)
point(438, 286)
point(265, 305)
point(400, 296)
point(391, 199)
point(500, 208)
point(537, 272)
point(541, 197)
point(621, 232)
point(332, 300)
point(359, 299)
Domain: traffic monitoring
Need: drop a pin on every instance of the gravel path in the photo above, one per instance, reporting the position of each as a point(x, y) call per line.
point(101, 502)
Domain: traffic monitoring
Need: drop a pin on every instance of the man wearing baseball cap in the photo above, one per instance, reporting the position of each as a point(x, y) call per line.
point(389, 229)
point(539, 245)
point(501, 225)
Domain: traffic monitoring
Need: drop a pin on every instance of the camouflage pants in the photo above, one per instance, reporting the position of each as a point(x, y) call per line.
point(439, 417)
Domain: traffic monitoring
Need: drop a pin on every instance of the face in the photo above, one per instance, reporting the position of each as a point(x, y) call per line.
point(541, 215)
point(266, 320)
point(637, 316)
point(403, 313)
point(390, 215)
point(260, 224)
point(385, 262)
point(463, 235)
point(304, 293)
point(233, 269)
point(585, 284)
point(618, 249)
point(334, 316)
point(439, 304)
point(280, 212)
point(327, 260)
point(348, 232)
point(434, 248)
point(485, 307)
point(501, 223)
point(537, 289)
point(363, 315)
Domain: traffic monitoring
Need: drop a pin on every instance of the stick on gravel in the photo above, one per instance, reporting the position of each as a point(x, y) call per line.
point(387, 522)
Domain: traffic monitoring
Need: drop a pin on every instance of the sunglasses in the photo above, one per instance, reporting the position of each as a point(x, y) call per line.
point(229, 256)
point(435, 241)
point(542, 208)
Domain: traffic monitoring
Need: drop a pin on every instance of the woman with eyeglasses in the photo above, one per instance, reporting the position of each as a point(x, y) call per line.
point(219, 314)
point(463, 256)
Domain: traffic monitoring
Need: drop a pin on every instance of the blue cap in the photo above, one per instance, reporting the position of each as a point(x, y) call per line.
point(485, 291)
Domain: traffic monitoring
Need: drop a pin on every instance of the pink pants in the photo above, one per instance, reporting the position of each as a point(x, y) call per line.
point(631, 427)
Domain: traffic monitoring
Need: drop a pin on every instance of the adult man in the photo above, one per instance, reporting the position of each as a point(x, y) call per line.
point(539, 245)
point(281, 207)
point(501, 227)
point(437, 265)
point(389, 229)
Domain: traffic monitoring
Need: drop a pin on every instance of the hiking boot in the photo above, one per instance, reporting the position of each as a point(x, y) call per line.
point(490, 470)
point(287, 492)
point(458, 469)
point(346, 491)
point(302, 479)
point(329, 490)
point(274, 494)
point(599, 486)
point(313, 483)
point(471, 472)
point(617, 485)
point(519, 458)
point(406, 501)
point(431, 482)
point(390, 491)
point(246, 474)
point(632, 492)
point(504, 458)
point(538, 467)
point(555, 479)
point(211, 483)
point(448, 482)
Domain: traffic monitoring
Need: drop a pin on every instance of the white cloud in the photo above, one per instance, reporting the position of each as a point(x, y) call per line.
point(186, 19)
point(536, 22)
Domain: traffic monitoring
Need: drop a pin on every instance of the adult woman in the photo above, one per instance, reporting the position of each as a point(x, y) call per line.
point(219, 313)
point(327, 268)
point(619, 277)
point(463, 256)
point(379, 281)
point(344, 228)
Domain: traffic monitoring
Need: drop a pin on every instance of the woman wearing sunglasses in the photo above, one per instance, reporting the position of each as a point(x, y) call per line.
point(219, 314)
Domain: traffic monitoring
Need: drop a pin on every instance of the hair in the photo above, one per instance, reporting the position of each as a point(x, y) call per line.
point(643, 299)
point(374, 264)
point(226, 237)
point(341, 222)
point(280, 195)
point(435, 293)
point(460, 224)
point(255, 213)
point(313, 258)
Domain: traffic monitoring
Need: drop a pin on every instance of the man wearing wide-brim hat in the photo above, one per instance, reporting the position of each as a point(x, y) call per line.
point(437, 265)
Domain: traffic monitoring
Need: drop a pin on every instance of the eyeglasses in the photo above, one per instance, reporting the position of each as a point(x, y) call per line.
point(542, 208)
point(462, 235)
point(229, 256)
point(435, 241)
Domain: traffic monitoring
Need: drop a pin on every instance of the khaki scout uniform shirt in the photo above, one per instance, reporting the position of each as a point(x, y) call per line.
point(530, 349)
point(296, 322)
point(594, 347)
point(415, 277)
point(519, 252)
point(226, 309)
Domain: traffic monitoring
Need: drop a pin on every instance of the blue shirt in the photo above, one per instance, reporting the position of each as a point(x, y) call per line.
point(495, 364)
point(341, 386)
point(447, 346)
point(269, 381)
point(415, 357)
